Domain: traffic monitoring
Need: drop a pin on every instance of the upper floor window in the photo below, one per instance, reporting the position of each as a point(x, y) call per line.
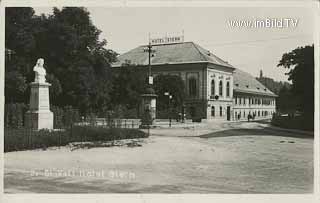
point(220, 88)
point(213, 88)
point(192, 86)
point(228, 89)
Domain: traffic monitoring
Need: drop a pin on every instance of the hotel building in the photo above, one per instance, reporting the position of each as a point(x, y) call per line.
point(215, 89)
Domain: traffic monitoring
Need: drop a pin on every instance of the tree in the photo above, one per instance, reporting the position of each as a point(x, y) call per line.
point(300, 63)
point(172, 84)
point(15, 86)
point(129, 82)
point(286, 101)
point(77, 62)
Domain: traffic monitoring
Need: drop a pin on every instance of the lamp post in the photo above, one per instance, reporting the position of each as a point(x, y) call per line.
point(148, 105)
point(169, 106)
point(150, 51)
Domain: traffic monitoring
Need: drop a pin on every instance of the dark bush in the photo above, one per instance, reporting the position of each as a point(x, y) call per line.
point(297, 122)
point(24, 139)
point(14, 115)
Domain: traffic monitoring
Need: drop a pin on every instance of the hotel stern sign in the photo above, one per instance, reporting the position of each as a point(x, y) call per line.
point(167, 40)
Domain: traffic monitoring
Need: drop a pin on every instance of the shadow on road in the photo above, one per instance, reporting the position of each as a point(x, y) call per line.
point(255, 132)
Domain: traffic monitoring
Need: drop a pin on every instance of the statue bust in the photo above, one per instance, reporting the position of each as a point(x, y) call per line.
point(40, 72)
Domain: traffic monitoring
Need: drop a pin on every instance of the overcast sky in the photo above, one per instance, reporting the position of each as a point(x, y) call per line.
point(249, 49)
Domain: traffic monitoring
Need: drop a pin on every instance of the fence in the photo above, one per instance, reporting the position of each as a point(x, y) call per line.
point(112, 123)
point(26, 138)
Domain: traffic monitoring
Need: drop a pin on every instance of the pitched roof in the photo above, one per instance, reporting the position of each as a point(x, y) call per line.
point(185, 52)
point(244, 82)
point(190, 52)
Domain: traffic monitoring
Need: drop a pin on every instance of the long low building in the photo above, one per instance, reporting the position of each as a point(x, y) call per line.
point(215, 89)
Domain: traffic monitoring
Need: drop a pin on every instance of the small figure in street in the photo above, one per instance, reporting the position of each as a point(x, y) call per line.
point(249, 116)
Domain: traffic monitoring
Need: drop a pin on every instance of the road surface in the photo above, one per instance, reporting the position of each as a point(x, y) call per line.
point(226, 158)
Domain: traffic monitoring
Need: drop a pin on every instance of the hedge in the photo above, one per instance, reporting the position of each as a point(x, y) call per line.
point(23, 139)
point(297, 122)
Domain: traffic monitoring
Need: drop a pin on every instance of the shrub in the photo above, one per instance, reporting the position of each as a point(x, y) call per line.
point(297, 122)
point(14, 115)
point(23, 138)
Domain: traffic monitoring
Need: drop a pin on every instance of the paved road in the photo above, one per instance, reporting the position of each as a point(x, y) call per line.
point(243, 158)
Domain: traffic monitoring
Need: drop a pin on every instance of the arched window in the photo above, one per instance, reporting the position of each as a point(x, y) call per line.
point(220, 88)
point(228, 89)
point(213, 88)
point(220, 110)
point(192, 87)
point(213, 113)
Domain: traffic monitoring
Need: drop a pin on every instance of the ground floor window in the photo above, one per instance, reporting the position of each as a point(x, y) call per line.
point(220, 110)
point(213, 113)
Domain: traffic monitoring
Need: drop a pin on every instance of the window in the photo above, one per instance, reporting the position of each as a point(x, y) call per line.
point(239, 100)
point(213, 113)
point(228, 89)
point(236, 100)
point(220, 110)
point(192, 87)
point(213, 88)
point(220, 88)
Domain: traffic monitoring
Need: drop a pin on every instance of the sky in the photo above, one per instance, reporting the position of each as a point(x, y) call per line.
point(249, 49)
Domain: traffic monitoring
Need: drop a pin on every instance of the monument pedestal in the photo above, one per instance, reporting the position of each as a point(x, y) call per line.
point(39, 115)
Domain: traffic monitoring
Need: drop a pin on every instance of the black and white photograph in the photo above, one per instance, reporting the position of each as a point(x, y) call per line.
point(159, 99)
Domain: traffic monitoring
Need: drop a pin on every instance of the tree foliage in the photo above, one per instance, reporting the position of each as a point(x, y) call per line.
point(300, 63)
point(76, 61)
point(286, 101)
point(172, 84)
point(129, 82)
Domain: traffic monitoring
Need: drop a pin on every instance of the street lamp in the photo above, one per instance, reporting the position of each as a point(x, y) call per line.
point(150, 54)
point(169, 106)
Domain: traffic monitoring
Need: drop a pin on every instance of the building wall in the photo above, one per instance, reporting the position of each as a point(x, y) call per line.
point(204, 105)
point(195, 103)
point(245, 104)
point(217, 108)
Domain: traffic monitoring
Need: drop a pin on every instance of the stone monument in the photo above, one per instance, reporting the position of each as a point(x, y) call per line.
point(39, 115)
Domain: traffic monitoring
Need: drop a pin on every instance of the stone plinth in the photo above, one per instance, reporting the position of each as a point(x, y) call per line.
point(39, 115)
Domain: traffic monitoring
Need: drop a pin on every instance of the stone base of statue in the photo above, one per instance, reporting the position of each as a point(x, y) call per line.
point(39, 115)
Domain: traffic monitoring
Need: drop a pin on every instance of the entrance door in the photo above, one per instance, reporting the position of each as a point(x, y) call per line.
point(228, 113)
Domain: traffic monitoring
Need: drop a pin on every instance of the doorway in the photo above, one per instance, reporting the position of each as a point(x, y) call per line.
point(228, 113)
